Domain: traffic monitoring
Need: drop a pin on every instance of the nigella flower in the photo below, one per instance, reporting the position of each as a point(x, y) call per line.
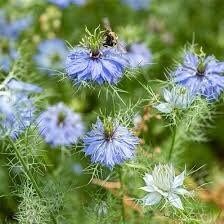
point(138, 4)
point(138, 55)
point(104, 66)
point(110, 143)
point(162, 183)
point(66, 3)
point(51, 55)
point(12, 29)
point(8, 54)
point(202, 75)
point(18, 86)
point(16, 108)
point(60, 126)
point(176, 98)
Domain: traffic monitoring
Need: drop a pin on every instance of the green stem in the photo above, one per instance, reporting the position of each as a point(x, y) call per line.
point(172, 143)
point(122, 195)
point(29, 174)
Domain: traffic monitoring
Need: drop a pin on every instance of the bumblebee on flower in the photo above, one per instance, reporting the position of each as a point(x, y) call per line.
point(94, 63)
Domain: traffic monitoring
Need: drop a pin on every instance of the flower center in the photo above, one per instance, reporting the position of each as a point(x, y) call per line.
point(55, 58)
point(61, 118)
point(108, 131)
point(95, 54)
point(201, 68)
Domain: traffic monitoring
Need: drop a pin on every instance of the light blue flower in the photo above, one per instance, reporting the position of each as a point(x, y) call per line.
point(51, 55)
point(11, 29)
point(60, 126)
point(163, 183)
point(16, 107)
point(110, 144)
point(18, 86)
point(201, 75)
point(176, 98)
point(139, 55)
point(105, 66)
point(138, 4)
point(66, 3)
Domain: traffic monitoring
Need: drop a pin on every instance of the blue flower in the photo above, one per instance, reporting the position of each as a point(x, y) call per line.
point(12, 29)
point(18, 86)
point(139, 55)
point(60, 126)
point(66, 3)
point(8, 54)
point(110, 144)
point(107, 65)
point(201, 75)
point(51, 55)
point(16, 107)
point(177, 98)
point(138, 4)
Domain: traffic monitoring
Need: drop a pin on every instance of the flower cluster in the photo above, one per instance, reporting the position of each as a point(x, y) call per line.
point(110, 143)
point(9, 33)
point(60, 126)
point(163, 183)
point(17, 108)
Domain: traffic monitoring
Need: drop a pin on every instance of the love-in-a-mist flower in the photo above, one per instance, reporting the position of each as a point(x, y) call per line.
point(16, 106)
point(138, 55)
point(162, 183)
point(202, 75)
point(66, 3)
point(177, 98)
point(60, 126)
point(109, 143)
point(94, 63)
point(138, 4)
point(51, 55)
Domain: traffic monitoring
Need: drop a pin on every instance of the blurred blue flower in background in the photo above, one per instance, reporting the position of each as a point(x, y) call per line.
point(18, 86)
point(60, 126)
point(138, 4)
point(202, 75)
point(107, 65)
point(11, 29)
point(16, 106)
point(51, 55)
point(66, 3)
point(177, 98)
point(110, 144)
point(139, 55)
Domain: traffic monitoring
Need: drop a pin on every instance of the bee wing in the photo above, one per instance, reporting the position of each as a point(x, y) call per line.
point(121, 46)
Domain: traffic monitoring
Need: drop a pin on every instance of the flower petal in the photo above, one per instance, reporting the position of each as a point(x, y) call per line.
point(174, 200)
point(178, 180)
point(152, 198)
point(164, 108)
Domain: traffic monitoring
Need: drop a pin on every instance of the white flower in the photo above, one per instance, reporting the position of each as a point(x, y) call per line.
point(163, 183)
point(178, 97)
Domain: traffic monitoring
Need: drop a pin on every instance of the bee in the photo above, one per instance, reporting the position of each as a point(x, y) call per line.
point(111, 38)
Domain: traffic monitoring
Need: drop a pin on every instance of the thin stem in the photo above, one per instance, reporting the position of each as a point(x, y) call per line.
point(172, 143)
point(29, 174)
point(122, 195)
